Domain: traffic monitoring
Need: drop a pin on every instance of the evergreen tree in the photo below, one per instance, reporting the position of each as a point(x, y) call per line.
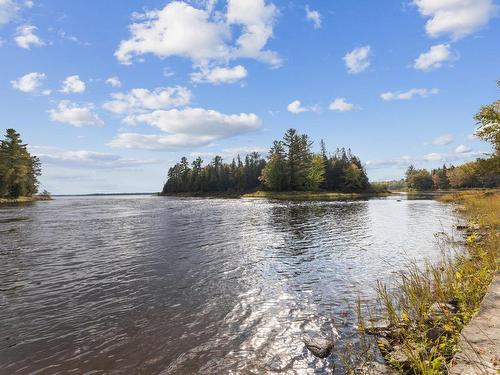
point(19, 171)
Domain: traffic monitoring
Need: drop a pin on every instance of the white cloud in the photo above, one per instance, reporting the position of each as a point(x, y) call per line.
point(8, 11)
point(30, 82)
point(73, 84)
point(187, 127)
point(461, 149)
point(141, 100)
point(74, 114)
point(219, 75)
point(201, 35)
point(85, 158)
point(434, 156)
point(457, 18)
point(341, 105)
point(357, 60)
point(442, 140)
point(114, 82)
point(26, 37)
point(296, 107)
point(314, 16)
point(407, 95)
point(434, 58)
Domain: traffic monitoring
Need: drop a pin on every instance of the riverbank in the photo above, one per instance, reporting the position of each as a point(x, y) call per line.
point(427, 309)
point(311, 195)
point(33, 198)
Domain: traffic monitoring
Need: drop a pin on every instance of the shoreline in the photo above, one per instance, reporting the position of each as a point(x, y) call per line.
point(434, 314)
point(285, 195)
point(34, 198)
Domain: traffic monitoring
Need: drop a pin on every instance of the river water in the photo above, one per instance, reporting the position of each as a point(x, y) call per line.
point(155, 285)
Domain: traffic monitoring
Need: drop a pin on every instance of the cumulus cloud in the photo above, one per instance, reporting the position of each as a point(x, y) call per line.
point(456, 18)
point(201, 35)
point(30, 82)
point(26, 37)
point(187, 127)
point(357, 60)
point(296, 107)
point(86, 158)
point(442, 140)
point(461, 149)
point(219, 75)
point(407, 95)
point(73, 84)
point(314, 16)
point(75, 115)
point(434, 58)
point(141, 100)
point(341, 105)
point(114, 82)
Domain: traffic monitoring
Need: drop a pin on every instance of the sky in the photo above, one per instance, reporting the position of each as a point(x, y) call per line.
point(110, 94)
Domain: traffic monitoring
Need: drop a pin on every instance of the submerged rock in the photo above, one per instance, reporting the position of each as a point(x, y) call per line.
point(318, 345)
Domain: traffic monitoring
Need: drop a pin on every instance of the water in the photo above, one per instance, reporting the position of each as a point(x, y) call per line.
point(152, 285)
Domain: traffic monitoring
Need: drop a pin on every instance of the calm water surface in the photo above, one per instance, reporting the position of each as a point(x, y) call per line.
point(151, 285)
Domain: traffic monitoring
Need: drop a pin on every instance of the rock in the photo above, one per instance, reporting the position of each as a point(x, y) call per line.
point(434, 333)
point(378, 328)
point(318, 345)
point(441, 311)
point(398, 355)
point(374, 368)
point(462, 227)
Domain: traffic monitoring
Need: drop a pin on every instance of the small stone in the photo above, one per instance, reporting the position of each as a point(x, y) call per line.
point(378, 328)
point(398, 355)
point(318, 345)
point(441, 311)
point(434, 333)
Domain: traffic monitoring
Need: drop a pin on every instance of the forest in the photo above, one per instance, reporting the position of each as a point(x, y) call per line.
point(19, 170)
point(291, 165)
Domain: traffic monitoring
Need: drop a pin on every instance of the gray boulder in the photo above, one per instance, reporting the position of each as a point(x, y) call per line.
point(318, 345)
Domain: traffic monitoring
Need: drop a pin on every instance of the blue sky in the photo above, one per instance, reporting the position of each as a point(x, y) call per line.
point(110, 94)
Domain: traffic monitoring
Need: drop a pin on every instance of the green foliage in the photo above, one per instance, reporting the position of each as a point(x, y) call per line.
point(19, 170)
point(418, 179)
point(216, 176)
point(316, 173)
point(488, 122)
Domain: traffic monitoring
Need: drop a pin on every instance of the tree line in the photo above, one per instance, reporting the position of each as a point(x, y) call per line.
point(291, 165)
point(19, 170)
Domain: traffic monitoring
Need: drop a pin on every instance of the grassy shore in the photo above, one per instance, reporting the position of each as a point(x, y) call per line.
point(427, 308)
point(284, 195)
point(33, 198)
